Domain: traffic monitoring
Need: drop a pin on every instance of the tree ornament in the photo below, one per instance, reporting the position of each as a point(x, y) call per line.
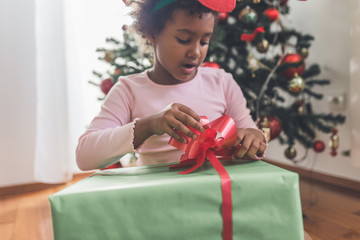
point(275, 127)
point(303, 52)
point(319, 146)
point(334, 142)
point(296, 85)
point(262, 46)
point(283, 2)
point(124, 27)
point(250, 36)
point(109, 56)
point(252, 63)
point(289, 73)
point(127, 2)
point(117, 71)
point(273, 123)
point(256, 1)
point(222, 17)
point(248, 15)
point(211, 64)
point(106, 85)
point(264, 126)
point(290, 152)
point(272, 14)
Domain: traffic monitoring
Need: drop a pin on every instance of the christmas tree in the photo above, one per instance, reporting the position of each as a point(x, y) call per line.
point(267, 60)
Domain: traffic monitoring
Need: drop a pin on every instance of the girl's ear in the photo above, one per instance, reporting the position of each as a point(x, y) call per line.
point(151, 39)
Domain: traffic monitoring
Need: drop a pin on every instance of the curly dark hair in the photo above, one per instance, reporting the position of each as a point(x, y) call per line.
point(150, 23)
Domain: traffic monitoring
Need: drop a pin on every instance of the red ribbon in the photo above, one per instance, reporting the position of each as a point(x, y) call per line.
point(250, 36)
point(209, 145)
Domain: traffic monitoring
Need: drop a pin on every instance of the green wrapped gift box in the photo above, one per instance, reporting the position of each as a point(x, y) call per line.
point(157, 203)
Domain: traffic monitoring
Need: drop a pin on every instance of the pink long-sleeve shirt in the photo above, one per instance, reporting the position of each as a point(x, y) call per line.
point(212, 93)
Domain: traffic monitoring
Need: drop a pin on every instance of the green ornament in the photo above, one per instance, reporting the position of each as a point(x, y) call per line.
point(248, 15)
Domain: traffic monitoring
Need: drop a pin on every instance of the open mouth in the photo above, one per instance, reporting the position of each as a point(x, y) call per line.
point(189, 66)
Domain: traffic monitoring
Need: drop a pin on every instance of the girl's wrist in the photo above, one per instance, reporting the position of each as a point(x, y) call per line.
point(142, 131)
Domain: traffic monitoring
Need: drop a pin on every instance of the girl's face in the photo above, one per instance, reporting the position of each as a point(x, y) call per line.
point(181, 47)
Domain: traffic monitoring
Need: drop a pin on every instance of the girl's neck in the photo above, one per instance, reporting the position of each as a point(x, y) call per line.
point(160, 75)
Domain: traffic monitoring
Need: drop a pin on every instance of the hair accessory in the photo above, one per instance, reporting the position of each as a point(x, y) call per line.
point(162, 3)
point(216, 5)
point(219, 5)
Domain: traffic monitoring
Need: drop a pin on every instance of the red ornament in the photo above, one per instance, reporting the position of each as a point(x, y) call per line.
point(222, 17)
point(127, 3)
point(106, 85)
point(211, 64)
point(275, 126)
point(272, 124)
point(319, 146)
point(289, 73)
point(334, 131)
point(272, 14)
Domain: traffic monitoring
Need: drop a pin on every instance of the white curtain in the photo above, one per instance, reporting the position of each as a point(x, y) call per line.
point(67, 35)
point(57, 108)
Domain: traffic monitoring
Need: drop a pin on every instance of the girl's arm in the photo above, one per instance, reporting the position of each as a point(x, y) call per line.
point(252, 140)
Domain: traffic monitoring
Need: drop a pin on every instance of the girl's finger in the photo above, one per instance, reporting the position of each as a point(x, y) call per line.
point(172, 133)
point(262, 149)
point(179, 126)
point(255, 145)
point(189, 117)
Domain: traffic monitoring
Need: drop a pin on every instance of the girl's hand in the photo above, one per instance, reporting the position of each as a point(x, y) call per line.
point(252, 143)
point(176, 117)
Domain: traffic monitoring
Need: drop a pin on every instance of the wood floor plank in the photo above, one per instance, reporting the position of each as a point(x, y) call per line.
point(6, 231)
point(8, 209)
point(33, 220)
point(336, 216)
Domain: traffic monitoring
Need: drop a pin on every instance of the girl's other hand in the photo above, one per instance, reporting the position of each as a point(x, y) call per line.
point(176, 117)
point(252, 143)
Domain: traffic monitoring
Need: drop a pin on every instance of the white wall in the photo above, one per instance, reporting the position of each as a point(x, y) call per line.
point(327, 20)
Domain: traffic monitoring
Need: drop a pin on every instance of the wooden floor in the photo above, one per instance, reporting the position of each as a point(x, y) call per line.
point(331, 213)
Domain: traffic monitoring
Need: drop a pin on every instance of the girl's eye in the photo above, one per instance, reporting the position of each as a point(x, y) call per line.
point(204, 43)
point(182, 41)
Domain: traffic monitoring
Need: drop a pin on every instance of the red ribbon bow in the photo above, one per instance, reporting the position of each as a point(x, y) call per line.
point(209, 145)
point(250, 36)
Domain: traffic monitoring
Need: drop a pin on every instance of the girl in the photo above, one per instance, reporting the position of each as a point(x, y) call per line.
point(142, 111)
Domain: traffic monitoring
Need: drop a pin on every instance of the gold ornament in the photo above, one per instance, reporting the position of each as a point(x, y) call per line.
point(109, 56)
point(290, 152)
point(264, 124)
point(262, 46)
point(253, 63)
point(248, 15)
point(334, 142)
point(304, 52)
point(296, 85)
point(256, 1)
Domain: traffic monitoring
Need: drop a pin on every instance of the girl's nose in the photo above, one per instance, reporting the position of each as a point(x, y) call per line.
point(194, 51)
